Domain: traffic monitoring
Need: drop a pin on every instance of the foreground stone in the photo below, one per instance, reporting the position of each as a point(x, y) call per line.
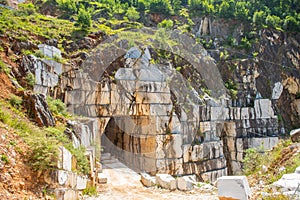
point(289, 183)
point(166, 181)
point(148, 180)
point(102, 179)
point(186, 183)
point(233, 187)
point(295, 135)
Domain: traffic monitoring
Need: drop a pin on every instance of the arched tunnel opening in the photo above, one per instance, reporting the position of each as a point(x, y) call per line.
point(124, 139)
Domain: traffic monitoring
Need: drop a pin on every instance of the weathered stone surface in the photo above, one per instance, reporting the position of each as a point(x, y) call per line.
point(263, 108)
point(38, 106)
point(166, 181)
point(266, 143)
point(49, 51)
point(186, 183)
point(235, 187)
point(148, 180)
point(65, 159)
point(297, 170)
point(295, 135)
point(277, 90)
point(102, 179)
point(65, 194)
point(288, 182)
point(169, 146)
point(81, 182)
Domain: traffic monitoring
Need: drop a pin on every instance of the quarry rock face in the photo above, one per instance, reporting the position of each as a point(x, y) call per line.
point(147, 130)
point(153, 117)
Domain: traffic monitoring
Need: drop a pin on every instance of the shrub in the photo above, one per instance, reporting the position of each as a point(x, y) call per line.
point(252, 161)
point(90, 190)
point(4, 68)
point(57, 107)
point(160, 6)
point(30, 79)
point(16, 101)
point(167, 24)
point(132, 14)
point(84, 18)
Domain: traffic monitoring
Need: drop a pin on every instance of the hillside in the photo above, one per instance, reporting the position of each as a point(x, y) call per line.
point(220, 85)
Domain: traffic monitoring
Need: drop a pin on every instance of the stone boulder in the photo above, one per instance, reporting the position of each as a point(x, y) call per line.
point(233, 187)
point(186, 182)
point(148, 180)
point(288, 183)
point(166, 181)
point(295, 135)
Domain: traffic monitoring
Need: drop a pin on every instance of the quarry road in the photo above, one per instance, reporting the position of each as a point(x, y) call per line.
point(124, 183)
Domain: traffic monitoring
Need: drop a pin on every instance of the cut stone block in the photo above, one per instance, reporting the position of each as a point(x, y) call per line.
point(148, 180)
point(65, 194)
point(297, 171)
point(186, 182)
point(166, 181)
point(102, 179)
point(81, 183)
point(66, 159)
point(235, 187)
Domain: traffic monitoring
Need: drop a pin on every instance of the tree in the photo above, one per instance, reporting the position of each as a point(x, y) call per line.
point(226, 9)
point(241, 11)
point(273, 21)
point(84, 18)
point(160, 6)
point(291, 24)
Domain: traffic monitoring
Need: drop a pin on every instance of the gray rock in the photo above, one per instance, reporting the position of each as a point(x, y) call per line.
point(295, 135)
point(37, 104)
point(166, 181)
point(133, 52)
point(186, 183)
point(235, 187)
point(102, 179)
point(297, 170)
point(148, 180)
point(277, 90)
point(288, 182)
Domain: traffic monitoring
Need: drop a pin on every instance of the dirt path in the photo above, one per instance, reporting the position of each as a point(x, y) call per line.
point(124, 183)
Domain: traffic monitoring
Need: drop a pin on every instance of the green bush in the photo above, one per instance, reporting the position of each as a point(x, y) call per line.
point(167, 24)
point(4, 68)
point(84, 18)
point(252, 161)
point(132, 14)
point(30, 79)
point(16, 101)
point(57, 107)
point(90, 190)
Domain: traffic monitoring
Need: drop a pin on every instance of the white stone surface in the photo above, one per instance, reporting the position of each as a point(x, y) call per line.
point(266, 143)
point(186, 183)
point(102, 179)
point(235, 187)
point(148, 180)
point(288, 182)
point(66, 159)
point(277, 90)
point(81, 182)
point(166, 181)
point(62, 177)
point(263, 108)
point(297, 170)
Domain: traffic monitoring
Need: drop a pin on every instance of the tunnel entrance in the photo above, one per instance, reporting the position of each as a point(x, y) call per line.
point(122, 138)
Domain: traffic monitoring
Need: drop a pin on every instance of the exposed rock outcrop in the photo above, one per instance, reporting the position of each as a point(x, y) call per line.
point(39, 110)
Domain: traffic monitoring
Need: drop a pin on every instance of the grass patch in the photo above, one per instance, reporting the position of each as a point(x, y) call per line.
point(43, 143)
